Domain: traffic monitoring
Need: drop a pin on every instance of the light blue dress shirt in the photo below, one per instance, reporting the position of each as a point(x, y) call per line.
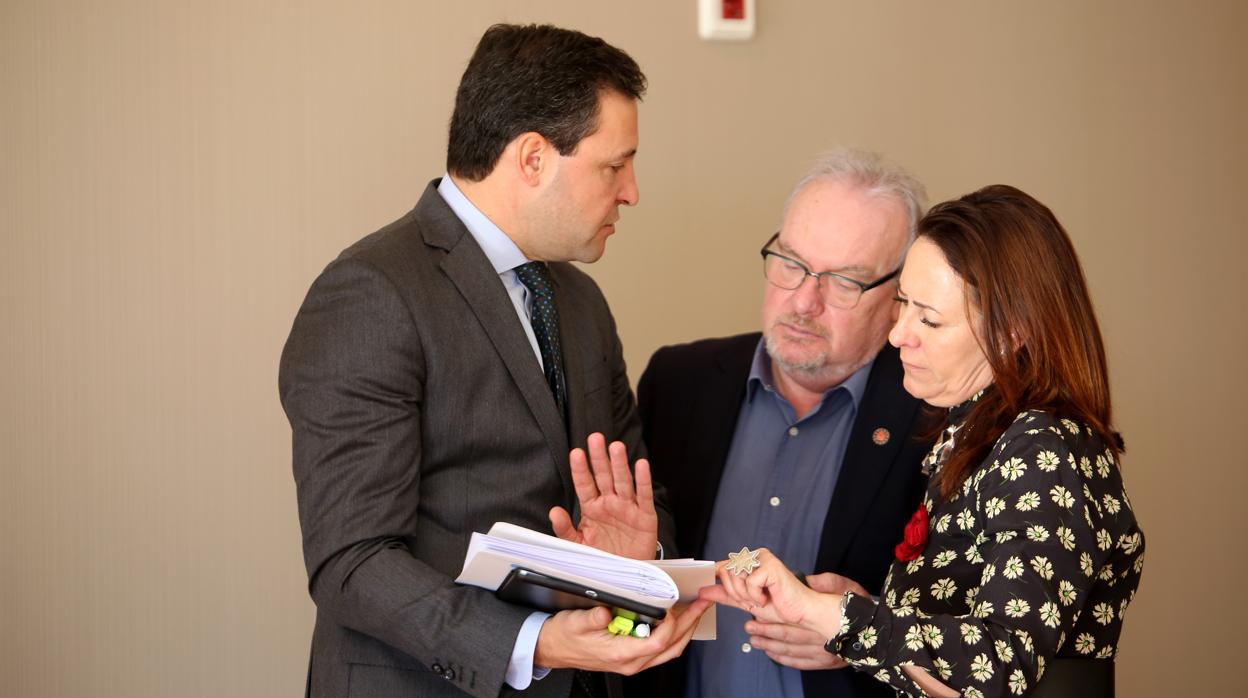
point(777, 485)
point(503, 254)
point(505, 257)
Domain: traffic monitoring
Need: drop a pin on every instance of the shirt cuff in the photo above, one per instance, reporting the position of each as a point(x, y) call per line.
point(863, 637)
point(520, 670)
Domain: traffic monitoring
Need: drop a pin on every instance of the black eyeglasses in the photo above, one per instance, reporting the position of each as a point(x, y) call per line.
point(839, 291)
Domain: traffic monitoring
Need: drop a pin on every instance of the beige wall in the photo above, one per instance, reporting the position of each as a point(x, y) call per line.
point(173, 174)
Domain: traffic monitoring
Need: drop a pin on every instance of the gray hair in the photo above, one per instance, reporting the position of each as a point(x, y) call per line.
point(873, 173)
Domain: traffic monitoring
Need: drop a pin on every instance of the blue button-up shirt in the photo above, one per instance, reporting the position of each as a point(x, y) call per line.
point(775, 492)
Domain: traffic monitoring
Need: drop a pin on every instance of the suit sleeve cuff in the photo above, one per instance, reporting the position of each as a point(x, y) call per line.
point(520, 670)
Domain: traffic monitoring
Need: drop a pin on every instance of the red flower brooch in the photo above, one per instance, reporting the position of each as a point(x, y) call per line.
point(915, 538)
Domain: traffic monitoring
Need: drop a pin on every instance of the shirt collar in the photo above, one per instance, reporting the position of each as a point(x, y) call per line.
point(499, 249)
point(958, 412)
point(761, 377)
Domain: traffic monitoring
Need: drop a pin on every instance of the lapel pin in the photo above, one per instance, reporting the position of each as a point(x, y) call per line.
point(880, 436)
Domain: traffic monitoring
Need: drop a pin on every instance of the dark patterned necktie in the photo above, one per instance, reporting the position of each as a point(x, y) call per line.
point(545, 321)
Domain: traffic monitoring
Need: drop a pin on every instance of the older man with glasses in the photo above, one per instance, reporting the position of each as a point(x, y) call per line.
point(799, 439)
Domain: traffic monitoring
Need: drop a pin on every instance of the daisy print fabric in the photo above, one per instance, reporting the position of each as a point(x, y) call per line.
point(1037, 556)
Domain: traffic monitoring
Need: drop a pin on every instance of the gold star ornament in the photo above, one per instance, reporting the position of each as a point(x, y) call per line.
point(743, 562)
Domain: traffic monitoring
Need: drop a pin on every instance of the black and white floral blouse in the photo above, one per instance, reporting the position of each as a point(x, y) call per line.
point(1036, 557)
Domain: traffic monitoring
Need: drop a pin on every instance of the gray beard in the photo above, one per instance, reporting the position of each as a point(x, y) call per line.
point(811, 367)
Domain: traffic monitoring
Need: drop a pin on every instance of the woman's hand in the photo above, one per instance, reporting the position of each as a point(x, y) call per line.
point(772, 592)
point(795, 646)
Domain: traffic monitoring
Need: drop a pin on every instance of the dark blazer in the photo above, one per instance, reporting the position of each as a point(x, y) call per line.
point(420, 414)
point(690, 396)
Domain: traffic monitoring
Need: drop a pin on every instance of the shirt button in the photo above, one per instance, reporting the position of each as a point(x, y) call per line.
point(792, 431)
point(745, 647)
point(858, 645)
point(775, 501)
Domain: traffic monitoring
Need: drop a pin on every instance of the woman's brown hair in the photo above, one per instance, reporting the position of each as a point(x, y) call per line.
point(1038, 329)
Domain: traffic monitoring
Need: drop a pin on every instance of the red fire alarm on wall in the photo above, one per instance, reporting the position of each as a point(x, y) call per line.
point(726, 19)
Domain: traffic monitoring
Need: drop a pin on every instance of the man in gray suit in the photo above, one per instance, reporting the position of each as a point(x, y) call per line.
point(440, 369)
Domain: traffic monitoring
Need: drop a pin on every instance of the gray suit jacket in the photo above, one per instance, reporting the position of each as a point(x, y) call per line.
point(419, 415)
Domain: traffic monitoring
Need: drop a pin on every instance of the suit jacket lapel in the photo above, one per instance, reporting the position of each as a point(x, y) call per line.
point(472, 274)
point(866, 464)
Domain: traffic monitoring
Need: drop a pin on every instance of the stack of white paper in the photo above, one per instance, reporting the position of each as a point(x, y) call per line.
point(661, 583)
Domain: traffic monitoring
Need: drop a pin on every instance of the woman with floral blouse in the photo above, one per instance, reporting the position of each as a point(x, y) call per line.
point(1025, 553)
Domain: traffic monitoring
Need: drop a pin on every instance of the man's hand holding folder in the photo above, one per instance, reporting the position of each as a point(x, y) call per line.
point(580, 639)
point(618, 530)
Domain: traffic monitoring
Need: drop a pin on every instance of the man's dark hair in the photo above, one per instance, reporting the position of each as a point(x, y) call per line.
point(533, 78)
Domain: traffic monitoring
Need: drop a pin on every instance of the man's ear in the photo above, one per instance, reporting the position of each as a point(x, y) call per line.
point(533, 157)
